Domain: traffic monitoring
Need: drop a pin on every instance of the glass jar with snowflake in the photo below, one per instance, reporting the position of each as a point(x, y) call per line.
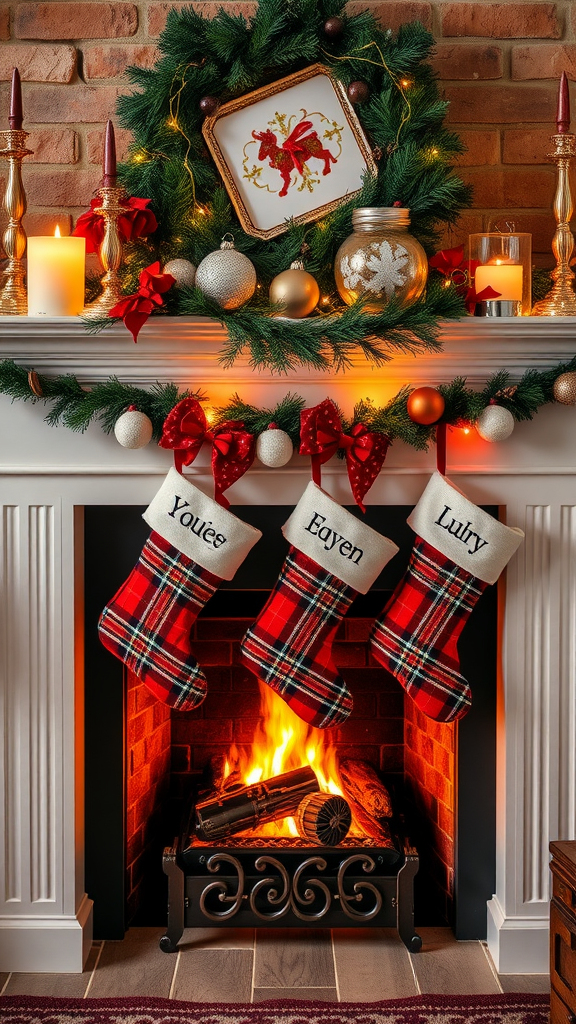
point(380, 260)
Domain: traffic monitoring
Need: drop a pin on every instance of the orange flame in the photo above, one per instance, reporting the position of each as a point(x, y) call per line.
point(283, 742)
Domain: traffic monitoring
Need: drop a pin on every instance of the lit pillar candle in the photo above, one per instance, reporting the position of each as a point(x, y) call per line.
point(504, 277)
point(56, 272)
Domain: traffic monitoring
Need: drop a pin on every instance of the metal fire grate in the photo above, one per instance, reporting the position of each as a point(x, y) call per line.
point(256, 882)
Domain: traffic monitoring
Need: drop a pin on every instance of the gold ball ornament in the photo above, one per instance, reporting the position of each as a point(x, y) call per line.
point(183, 272)
point(295, 290)
point(227, 276)
point(565, 388)
point(274, 447)
point(133, 429)
point(495, 423)
point(425, 406)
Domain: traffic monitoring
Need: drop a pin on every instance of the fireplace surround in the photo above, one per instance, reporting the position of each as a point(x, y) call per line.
point(49, 474)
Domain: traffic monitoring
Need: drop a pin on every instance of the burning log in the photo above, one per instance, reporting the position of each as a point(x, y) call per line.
point(246, 808)
point(361, 784)
point(218, 779)
point(376, 830)
point(324, 819)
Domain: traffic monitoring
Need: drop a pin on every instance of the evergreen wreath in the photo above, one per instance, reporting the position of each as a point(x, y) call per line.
point(169, 164)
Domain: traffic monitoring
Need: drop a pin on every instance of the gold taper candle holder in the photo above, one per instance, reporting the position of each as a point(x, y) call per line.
point(13, 299)
point(110, 252)
point(561, 300)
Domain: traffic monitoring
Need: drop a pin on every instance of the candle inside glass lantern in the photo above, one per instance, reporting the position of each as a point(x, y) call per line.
point(503, 276)
point(56, 272)
point(503, 263)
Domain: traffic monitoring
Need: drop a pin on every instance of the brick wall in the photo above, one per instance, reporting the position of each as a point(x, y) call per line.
point(147, 783)
point(499, 61)
point(429, 762)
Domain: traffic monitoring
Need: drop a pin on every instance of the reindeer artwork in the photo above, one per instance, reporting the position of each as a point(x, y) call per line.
point(295, 151)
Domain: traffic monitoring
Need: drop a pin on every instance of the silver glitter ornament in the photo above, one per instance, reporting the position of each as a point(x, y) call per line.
point(495, 423)
point(133, 429)
point(227, 276)
point(183, 272)
point(274, 448)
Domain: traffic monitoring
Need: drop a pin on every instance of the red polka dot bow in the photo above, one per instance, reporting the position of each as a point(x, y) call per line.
point(185, 430)
point(321, 436)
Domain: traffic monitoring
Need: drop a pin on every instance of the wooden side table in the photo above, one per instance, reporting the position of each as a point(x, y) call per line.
point(563, 933)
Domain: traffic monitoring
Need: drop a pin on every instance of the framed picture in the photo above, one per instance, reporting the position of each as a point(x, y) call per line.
point(294, 149)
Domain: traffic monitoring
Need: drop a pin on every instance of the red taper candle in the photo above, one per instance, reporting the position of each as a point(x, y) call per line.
point(15, 116)
point(563, 111)
point(109, 164)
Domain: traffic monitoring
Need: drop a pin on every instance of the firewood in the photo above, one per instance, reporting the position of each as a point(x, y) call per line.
point(361, 784)
point(324, 818)
point(379, 831)
point(225, 814)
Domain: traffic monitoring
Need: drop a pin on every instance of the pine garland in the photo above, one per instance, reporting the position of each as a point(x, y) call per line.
point(76, 407)
point(169, 164)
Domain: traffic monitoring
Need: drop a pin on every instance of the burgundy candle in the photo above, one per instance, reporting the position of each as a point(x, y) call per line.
point(563, 111)
point(15, 116)
point(109, 165)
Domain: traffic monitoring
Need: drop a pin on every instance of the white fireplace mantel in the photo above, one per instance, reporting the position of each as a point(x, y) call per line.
point(48, 474)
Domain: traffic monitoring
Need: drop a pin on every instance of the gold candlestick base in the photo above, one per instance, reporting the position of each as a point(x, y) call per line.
point(561, 300)
point(13, 298)
point(110, 253)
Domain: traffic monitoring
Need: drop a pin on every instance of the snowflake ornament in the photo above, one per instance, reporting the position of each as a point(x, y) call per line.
point(385, 264)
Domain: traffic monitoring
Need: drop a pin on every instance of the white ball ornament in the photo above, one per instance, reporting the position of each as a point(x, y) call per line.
point(495, 423)
point(227, 276)
point(133, 429)
point(183, 272)
point(274, 448)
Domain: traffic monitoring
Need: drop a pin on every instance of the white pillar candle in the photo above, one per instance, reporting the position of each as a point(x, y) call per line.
point(505, 278)
point(55, 277)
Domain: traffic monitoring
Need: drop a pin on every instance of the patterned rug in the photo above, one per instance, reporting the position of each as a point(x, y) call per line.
point(498, 1009)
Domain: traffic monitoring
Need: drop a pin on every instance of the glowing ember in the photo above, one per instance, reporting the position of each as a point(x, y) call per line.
point(283, 742)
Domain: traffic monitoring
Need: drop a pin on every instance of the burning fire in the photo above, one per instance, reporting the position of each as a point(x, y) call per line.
point(283, 742)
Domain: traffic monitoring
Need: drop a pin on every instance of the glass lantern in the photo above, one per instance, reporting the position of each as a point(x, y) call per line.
point(504, 263)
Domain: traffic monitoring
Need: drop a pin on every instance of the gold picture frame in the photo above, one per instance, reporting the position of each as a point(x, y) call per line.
point(294, 161)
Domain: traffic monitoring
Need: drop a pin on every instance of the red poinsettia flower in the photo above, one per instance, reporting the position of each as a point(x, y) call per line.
point(90, 225)
point(135, 309)
point(452, 264)
point(137, 222)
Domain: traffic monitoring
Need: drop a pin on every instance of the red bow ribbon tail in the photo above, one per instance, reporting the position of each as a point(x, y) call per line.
point(320, 435)
point(365, 456)
point(233, 451)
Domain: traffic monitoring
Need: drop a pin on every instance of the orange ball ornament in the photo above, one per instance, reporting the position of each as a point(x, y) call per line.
point(425, 406)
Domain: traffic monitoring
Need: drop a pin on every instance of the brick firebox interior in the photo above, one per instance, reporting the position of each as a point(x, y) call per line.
point(167, 751)
point(499, 63)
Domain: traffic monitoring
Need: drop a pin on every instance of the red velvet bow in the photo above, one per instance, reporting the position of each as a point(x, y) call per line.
point(135, 309)
point(321, 435)
point(137, 222)
point(185, 430)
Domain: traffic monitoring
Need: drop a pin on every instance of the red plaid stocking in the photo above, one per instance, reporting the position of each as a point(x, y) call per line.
point(194, 544)
point(333, 557)
point(459, 550)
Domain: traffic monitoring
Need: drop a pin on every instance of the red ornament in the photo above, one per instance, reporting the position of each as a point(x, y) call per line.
point(333, 28)
point(135, 309)
point(209, 105)
point(425, 406)
point(358, 92)
point(321, 436)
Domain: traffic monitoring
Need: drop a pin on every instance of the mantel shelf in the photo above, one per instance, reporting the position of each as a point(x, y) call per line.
point(187, 348)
